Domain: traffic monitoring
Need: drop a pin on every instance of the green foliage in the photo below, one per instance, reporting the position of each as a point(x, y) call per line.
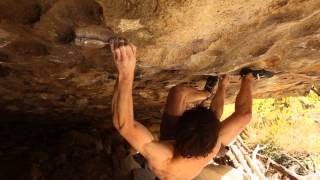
point(288, 125)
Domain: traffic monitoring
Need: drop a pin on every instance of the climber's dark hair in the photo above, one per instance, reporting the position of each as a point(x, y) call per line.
point(197, 133)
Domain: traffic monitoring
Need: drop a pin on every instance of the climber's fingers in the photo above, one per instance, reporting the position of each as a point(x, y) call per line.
point(123, 51)
point(129, 52)
point(121, 42)
point(133, 49)
point(117, 54)
point(112, 47)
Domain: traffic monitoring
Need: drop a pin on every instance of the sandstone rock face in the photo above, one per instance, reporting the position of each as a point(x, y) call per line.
point(43, 72)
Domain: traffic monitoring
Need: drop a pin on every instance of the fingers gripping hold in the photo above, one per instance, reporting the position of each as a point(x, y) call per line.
point(124, 56)
point(123, 52)
point(117, 54)
point(119, 48)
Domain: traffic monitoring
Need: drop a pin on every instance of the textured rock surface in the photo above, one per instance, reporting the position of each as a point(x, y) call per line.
point(43, 72)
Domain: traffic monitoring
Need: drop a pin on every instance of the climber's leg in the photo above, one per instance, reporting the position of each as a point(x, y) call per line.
point(181, 95)
point(233, 125)
point(177, 100)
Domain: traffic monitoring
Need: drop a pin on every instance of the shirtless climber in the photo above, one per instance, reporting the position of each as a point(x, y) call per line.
point(189, 139)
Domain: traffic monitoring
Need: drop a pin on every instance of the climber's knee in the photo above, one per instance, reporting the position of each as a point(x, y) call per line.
point(178, 91)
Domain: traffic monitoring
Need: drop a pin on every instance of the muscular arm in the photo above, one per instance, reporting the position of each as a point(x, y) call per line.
point(122, 103)
point(234, 125)
point(123, 119)
point(217, 103)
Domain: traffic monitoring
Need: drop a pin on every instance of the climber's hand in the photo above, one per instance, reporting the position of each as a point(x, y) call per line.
point(224, 80)
point(124, 57)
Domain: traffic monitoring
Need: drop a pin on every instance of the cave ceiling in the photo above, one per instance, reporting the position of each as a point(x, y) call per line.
point(43, 72)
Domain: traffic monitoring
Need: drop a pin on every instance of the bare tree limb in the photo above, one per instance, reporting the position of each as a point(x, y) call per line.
point(297, 161)
point(239, 156)
point(313, 164)
point(240, 140)
point(252, 164)
point(315, 90)
point(283, 170)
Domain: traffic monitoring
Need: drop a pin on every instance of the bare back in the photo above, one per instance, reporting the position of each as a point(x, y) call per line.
point(162, 162)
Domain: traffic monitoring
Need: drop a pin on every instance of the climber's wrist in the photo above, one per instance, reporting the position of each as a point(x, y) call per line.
point(125, 77)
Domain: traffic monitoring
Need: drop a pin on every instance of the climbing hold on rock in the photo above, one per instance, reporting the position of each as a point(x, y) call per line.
point(93, 36)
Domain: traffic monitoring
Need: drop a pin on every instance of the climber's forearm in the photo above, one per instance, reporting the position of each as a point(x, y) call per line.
point(134, 132)
point(123, 102)
point(217, 102)
point(115, 103)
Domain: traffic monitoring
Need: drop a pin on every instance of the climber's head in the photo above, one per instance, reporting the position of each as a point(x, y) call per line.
point(197, 133)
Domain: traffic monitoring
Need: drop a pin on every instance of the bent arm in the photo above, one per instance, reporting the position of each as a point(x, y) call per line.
point(123, 117)
point(122, 103)
point(234, 125)
point(217, 103)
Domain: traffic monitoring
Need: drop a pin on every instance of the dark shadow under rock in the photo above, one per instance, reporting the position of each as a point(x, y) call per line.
point(4, 71)
point(24, 12)
point(52, 151)
point(4, 57)
point(29, 47)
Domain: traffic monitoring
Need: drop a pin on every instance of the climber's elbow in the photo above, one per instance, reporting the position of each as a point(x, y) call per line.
point(122, 126)
point(246, 117)
point(117, 124)
point(243, 117)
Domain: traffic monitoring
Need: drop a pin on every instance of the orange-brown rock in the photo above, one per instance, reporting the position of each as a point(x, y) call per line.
point(43, 72)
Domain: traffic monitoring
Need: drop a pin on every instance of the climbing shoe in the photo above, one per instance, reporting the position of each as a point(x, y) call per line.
point(258, 74)
point(211, 83)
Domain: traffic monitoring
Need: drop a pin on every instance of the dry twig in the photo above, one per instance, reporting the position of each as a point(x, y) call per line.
point(293, 159)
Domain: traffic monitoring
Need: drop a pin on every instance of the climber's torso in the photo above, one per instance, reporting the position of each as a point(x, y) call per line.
point(167, 167)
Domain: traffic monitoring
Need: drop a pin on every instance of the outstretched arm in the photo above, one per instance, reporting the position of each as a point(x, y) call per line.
point(122, 104)
point(233, 125)
point(217, 102)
